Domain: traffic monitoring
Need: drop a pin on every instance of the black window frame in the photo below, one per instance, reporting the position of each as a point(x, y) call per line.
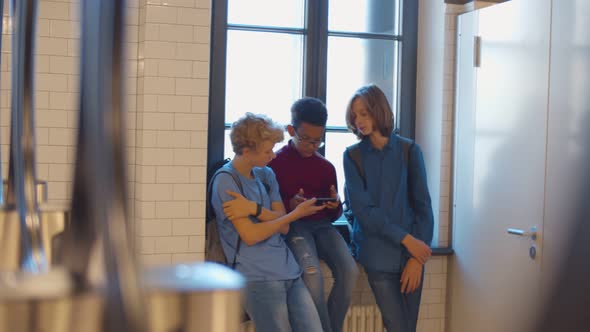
point(315, 64)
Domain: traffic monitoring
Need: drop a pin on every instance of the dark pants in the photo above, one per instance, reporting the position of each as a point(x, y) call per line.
point(311, 241)
point(281, 306)
point(399, 311)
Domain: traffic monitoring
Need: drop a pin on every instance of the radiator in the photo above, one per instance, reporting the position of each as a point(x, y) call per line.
point(363, 318)
point(248, 327)
point(360, 318)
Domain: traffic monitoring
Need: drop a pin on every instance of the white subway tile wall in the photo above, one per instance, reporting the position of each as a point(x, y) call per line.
point(171, 140)
point(56, 88)
point(447, 125)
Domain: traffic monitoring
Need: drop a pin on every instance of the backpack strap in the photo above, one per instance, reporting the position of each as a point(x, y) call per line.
point(211, 212)
point(354, 152)
point(407, 145)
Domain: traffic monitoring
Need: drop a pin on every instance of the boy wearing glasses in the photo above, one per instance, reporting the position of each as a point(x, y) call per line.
point(303, 173)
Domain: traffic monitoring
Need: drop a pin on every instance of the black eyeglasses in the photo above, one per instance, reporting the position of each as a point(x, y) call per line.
point(318, 143)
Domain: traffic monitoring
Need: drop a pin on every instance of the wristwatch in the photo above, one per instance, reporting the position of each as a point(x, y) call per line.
point(258, 209)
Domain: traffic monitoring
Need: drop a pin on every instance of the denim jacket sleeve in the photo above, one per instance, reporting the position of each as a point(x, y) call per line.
point(420, 197)
point(372, 218)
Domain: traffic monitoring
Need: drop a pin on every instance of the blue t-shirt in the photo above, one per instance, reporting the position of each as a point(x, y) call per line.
point(267, 260)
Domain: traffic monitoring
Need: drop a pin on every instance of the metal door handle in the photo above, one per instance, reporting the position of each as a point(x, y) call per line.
point(532, 233)
point(476, 51)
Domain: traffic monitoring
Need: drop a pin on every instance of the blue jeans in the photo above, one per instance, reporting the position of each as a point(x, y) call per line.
point(399, 311)
point(311, 241)
point(281, 306)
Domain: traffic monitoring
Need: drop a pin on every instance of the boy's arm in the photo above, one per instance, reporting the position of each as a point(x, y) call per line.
point(252, 233)
point(279, 208)
point(241, 207)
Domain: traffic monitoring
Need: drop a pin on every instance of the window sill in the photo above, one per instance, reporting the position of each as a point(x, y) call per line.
point(342, 226)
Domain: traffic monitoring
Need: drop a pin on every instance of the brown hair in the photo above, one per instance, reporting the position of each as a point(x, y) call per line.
point(377, 106)
point(252, 129)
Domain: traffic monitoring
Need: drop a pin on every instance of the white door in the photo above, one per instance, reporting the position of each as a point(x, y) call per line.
point(500, 154)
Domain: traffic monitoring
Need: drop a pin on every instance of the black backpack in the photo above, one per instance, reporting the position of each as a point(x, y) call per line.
point(354, 153)
point(213, 249)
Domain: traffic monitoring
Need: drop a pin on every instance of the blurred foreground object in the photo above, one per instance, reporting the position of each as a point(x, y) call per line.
point(29, 228)
point(100, 286)
point(565, 307)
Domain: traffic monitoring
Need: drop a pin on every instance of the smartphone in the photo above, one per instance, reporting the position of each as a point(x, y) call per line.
point(322, 200)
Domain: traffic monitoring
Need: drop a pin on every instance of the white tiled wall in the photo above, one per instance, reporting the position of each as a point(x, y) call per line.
point(173, 89)
point(447, 125)
point(56, 99)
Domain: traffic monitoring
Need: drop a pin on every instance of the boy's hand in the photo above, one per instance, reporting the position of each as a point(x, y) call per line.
point(240, 207)
point(418, 249)
point(411, 276)
point(333, 194)
point(296, 200)
point(307, 208)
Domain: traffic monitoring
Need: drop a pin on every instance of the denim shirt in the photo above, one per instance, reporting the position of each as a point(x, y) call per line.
point(391, 206)
point(267, 260)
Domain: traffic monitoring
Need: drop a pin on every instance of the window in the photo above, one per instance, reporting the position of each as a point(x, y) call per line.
point(268, 53)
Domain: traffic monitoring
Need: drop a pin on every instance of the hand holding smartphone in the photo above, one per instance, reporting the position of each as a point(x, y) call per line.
point(322, 200)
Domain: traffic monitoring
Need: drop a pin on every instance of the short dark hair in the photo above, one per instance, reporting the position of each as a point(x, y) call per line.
point(309, 110)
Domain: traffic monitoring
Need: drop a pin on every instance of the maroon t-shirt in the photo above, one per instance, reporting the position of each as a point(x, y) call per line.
point(313, 174)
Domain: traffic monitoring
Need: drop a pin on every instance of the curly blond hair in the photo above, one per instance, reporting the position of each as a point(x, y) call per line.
point(252, 129)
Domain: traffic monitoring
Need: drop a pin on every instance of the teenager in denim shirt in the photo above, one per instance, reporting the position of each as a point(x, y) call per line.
point(276, 297)
point(393, 222)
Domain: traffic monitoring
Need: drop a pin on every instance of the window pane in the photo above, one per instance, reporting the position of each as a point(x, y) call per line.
point(354, 62)
point(264, 74)
point(336, 143)
point(228, 151)
point(275, 13)
point(373, 16)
